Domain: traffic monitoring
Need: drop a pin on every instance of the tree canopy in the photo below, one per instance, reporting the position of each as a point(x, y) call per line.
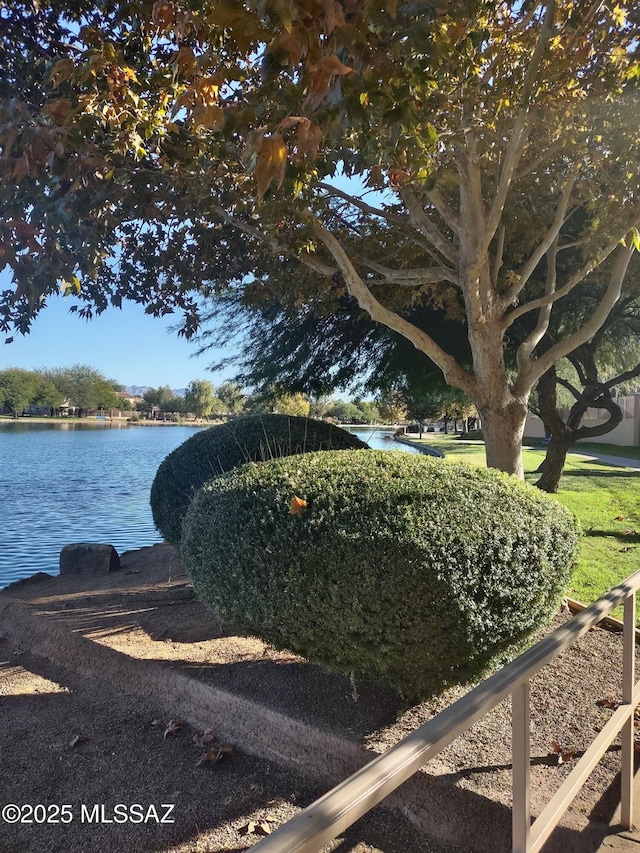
point(173, 153)
point(21, 388)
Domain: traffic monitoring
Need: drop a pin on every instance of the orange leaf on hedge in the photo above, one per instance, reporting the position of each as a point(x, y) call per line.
point(297, 506)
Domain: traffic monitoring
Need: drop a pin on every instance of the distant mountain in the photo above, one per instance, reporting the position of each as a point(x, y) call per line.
point(139, 390)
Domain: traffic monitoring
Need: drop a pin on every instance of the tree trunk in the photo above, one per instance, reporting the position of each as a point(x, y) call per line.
point(503, 428)
point(551, 469)
point(564, 435)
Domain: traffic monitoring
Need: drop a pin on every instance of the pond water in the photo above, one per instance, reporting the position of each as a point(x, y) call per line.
point(381, 439)
point(63, 483)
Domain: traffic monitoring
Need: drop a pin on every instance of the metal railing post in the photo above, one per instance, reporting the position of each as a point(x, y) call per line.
point(628, 680)
point(521, 769)
point(339, 808)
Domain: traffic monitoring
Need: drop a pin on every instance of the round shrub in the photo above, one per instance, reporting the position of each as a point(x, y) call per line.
point(221, 448)
point(400, 567)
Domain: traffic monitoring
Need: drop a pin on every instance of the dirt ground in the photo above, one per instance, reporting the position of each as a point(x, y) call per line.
point(70, 742)
point(184, 807)
point(97, 758)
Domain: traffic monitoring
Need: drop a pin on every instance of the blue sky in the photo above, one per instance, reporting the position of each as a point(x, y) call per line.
point(127, 345)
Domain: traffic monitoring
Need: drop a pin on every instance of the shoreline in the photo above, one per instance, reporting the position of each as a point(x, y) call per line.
point(102, 421)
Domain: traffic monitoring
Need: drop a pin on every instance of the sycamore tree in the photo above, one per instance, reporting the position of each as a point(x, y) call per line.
point(169, 152)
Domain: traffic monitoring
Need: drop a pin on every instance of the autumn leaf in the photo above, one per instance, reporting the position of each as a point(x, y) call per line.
point(213, 754)
point(271, 162)
point(61, 71)
point(398, 177)
point(207, 90)
point(307, 143)
point(25, 233)
point(211, 117)
point(174, 727)
point(204, 739)
point(297, 506)
point(163, 15)
point(287, 12)
point(308, 138)
point(58, 110)
point(287, 48)
point(561, 755)
point(607, 703)
point(256, 827)
point(76, 739)
point(185, 61)
point(322, 77)
point(333, 15)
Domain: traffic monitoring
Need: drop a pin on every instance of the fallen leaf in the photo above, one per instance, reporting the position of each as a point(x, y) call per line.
point(607, 703)
point(174, 727)
point(76, 739)
point(561, 754)
point(205, 738)
point(213, 754)
point(619, 517)
point(297, 506)
point(256, 827)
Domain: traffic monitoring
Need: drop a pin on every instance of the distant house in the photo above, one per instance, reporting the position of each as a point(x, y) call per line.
point(68, 409)
point(134, 399)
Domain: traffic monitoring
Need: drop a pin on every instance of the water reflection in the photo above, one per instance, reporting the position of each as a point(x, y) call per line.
point(76, 482)
point(381, 439)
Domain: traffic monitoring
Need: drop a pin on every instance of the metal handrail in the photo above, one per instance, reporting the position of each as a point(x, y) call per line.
point(338, 809)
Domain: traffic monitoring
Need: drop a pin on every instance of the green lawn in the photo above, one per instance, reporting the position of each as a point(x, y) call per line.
point(605, 499)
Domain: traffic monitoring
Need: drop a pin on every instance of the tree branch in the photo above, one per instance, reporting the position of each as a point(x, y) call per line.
point(308, 259)
point(453, 373)
point(363, 206)
point(498, 258)
point(412, 277)
point(518, 139)
point(622, 377)
point(573, 281)
point(530, 343)
point(566, 384)
point(529, 374)
point(552, 234)
point(445, 210)
point(426, 227)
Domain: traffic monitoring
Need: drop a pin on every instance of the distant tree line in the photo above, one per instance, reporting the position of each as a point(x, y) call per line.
point(85, 389)
point(82, 386)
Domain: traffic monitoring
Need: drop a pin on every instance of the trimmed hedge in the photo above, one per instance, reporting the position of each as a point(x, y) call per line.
point(221, 448)
point(402, 568)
